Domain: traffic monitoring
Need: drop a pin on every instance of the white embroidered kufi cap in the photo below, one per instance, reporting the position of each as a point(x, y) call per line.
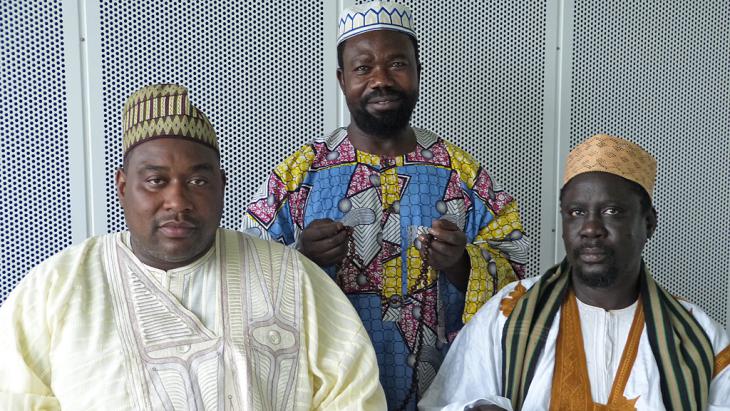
point(375, 15)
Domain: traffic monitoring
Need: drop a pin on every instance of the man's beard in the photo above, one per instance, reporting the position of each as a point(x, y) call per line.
point(387, 123)
point(595, 279)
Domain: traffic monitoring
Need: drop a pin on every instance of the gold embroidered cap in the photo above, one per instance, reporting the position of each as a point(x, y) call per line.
point(375, 15)
point(613, 155)
point(164, 110)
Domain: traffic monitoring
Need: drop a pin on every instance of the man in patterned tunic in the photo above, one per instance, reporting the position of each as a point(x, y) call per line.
point(415, 231)
point(177, 313)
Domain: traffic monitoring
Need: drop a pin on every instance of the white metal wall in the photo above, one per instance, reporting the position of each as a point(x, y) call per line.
point(38, 180)
point(514, 83)
point(658, 73)
point(257, 70)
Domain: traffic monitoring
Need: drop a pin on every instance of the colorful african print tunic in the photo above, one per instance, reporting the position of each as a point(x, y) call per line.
point(390, 201)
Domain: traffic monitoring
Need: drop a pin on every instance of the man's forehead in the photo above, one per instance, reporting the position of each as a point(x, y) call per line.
point(599, 186)
point(160, 165)
point(383, 44)
point(162, 152)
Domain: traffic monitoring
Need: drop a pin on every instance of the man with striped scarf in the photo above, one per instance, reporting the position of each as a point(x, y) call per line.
point(595, 332)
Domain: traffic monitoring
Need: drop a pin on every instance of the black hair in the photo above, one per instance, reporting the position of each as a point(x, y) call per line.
point(341, 47)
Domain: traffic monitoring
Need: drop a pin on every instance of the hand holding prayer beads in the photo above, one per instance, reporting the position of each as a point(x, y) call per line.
point(447, 251)
point(324, 241)
point(448, 244)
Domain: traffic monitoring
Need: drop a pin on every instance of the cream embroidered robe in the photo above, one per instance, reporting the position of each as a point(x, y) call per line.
point(251, 325)
point(471, 372)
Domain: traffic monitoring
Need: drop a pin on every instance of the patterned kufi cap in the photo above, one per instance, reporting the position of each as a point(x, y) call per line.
point(376, 15)
point(613, 155)
point(164, 110)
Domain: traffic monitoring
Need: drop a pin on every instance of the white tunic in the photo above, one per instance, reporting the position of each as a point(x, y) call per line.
point(471, 372)
point(250, 325)
point(604, 336)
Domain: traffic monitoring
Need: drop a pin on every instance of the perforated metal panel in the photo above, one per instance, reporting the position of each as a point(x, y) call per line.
point(657, 73)
point(255, 68)
point(482, 88)
point(36, 212)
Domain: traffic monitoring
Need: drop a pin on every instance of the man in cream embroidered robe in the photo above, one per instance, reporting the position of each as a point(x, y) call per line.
point(471, 373)
point(177, 313)
point(250, 325)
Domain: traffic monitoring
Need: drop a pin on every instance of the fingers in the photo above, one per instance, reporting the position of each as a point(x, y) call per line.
point(333, 256)
point(441, 248)
point(324, 242)
point(447, 232)
point(321, 229)
point(443, 224)
point(339, 240)
point(447, 244)
point(443, 256)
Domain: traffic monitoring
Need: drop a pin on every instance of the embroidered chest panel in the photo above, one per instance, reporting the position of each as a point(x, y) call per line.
point(175, 363)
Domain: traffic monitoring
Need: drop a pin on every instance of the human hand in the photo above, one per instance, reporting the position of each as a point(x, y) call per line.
point(447, 252)
point(324, 241)
point(447, 245)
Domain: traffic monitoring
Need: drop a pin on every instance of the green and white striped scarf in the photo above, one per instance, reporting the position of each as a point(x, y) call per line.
point(681, 348)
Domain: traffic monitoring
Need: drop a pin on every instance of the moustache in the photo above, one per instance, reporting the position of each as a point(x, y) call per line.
point(390, 94)
point(178, 222)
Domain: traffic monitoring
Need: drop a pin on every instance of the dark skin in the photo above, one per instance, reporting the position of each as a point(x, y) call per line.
point(383, 62)
point(448, 252)
point(324, 241)
point(605, 229)
point(171, 191)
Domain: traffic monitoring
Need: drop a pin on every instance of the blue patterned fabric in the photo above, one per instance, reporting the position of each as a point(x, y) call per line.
point(389, 201)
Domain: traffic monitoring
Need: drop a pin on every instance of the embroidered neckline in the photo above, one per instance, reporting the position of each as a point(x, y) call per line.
point(571, 386)
point(124, 243)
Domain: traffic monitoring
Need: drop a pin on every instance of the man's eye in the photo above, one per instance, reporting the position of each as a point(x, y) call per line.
point(575, 213)
point(198, 181)
point(361, 69)
point(398, 64)
point(611, 211)
point(155, 181)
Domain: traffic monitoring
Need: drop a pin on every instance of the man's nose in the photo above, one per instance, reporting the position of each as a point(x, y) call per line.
point(380, 77)
point(177, 198)
point(593, 226)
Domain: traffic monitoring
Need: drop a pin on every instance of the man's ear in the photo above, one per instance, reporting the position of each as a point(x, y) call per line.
point(340, 79)
point(651, 222)
point(224, 178)
point(121, 180)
